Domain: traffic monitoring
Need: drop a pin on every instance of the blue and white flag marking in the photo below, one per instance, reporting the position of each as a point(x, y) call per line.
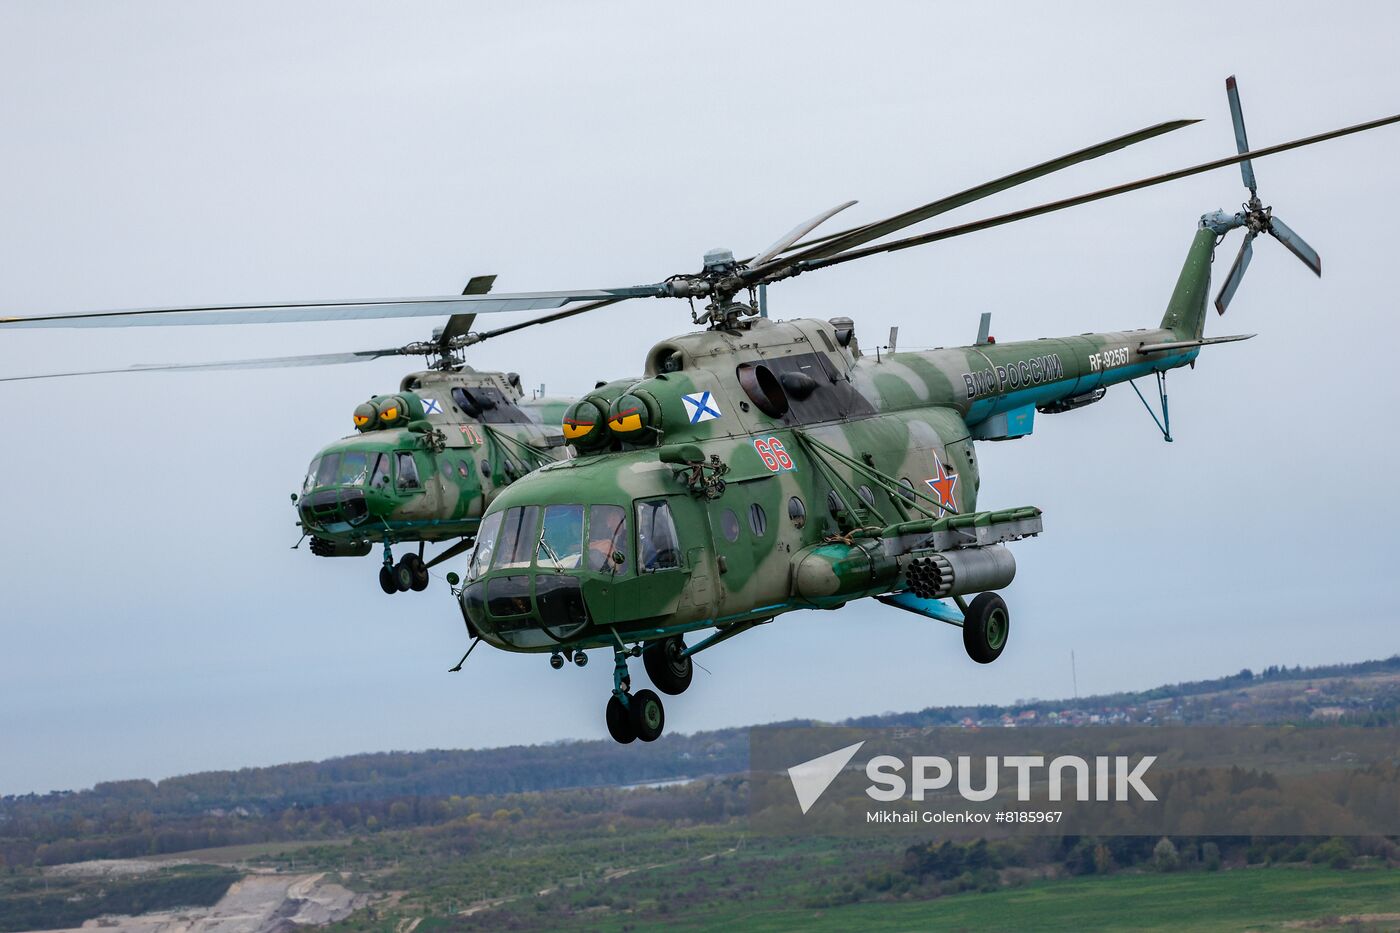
point(701, 407)
point(431, 406)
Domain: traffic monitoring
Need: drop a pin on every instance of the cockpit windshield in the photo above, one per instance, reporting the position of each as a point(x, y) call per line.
point(560, 540)
point(340, 468)
point(561, 537)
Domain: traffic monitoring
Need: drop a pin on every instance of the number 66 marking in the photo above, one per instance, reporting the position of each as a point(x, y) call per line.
point(774, 456)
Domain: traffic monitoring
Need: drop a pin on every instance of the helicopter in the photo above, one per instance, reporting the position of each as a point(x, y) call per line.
point(424, 460)
point(759, 467)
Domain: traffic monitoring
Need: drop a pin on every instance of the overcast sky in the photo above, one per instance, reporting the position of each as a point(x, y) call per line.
point(156, 621)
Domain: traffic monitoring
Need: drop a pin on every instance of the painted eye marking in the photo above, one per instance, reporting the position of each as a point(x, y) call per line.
point(628, 420)
point(389, 414)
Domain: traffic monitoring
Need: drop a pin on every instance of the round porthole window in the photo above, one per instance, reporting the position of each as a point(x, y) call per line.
point(729, 525)
point(758, 520)
point(866, 495)
point(797, 512)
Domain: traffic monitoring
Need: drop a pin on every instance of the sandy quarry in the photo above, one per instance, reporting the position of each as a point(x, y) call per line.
point(263, 903)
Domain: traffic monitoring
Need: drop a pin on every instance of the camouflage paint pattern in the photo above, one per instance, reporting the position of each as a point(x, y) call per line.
point(808, 502)
point(462, 459)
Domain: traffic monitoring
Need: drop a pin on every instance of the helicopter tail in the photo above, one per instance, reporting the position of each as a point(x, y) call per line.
point(1186, 311)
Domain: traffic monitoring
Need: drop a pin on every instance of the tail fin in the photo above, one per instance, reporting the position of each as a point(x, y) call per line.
point(1186, 311)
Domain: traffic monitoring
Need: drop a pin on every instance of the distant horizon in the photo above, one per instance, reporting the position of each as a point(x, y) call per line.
point(1030, 701)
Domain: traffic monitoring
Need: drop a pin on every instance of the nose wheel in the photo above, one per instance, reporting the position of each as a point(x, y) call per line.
point(631, 716)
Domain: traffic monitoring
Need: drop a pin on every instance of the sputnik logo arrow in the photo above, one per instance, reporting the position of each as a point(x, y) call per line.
point(811, 778)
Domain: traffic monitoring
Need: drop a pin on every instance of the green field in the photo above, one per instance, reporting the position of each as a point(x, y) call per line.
point(1245, 899)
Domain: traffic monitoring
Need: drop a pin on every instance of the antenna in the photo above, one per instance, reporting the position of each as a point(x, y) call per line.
point(1073, 671)
point(894, 338)
point(984, 329)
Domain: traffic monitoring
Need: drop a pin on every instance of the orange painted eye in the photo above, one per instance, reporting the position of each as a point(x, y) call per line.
point(626, 421)
point(389, 414)
point(361, 420)
point(573, 429)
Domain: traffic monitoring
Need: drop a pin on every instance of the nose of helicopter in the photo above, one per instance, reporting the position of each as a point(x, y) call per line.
point(329, 508)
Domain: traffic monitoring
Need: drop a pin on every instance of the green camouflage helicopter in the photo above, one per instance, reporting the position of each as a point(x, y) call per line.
point(759, 467)
point(425, 460)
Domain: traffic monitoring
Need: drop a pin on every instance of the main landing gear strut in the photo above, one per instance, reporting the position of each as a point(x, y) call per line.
point(640, 715)
point(410, 573)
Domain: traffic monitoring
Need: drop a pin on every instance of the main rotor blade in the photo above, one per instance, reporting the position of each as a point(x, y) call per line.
point(556, 316)
point(797, 233)
point(1241, 141)
point(1296, 245)
point(848, 239)
point(334, 310)
point(459, 324)
point(1237, 270)
point(272, 362)
point(1052, 206)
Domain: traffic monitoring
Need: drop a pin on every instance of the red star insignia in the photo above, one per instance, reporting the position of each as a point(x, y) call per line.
point(943, 486)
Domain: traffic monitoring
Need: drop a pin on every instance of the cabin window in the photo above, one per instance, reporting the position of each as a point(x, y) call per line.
point(408, 471)
point(517, 538)
point(833, 503)
point(729, 525)
point(866, 495)
point(907, 492)
point(485, 546)
point(446, 466)
point(607, 539)
point(656, 534)
point(561, 538)
point(797, 512)
point(379, 476)
point(758, 520)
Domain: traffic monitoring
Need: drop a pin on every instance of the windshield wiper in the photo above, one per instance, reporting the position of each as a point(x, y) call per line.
point(558, 564)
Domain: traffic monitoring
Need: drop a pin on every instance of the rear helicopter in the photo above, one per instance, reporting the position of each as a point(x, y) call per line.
point(424, 461)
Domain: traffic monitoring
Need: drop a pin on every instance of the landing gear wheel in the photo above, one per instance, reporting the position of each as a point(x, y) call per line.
point(418, 572)
point(667, 667)
point(647, 715)
point(619, 722)
point(403, 574)
point(985, 628)
point(388, 580)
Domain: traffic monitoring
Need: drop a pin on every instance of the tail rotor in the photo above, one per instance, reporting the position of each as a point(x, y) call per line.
point(1255, 218)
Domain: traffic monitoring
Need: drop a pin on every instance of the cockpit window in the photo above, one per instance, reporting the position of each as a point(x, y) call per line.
point(310, 482)
point(607, 539)
point(380, 477)
point(408, 471)
point(656, 536)
point(485, 545)
point(561, 537)
point(325, 470)
point(354, 468)
point(517, 538)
